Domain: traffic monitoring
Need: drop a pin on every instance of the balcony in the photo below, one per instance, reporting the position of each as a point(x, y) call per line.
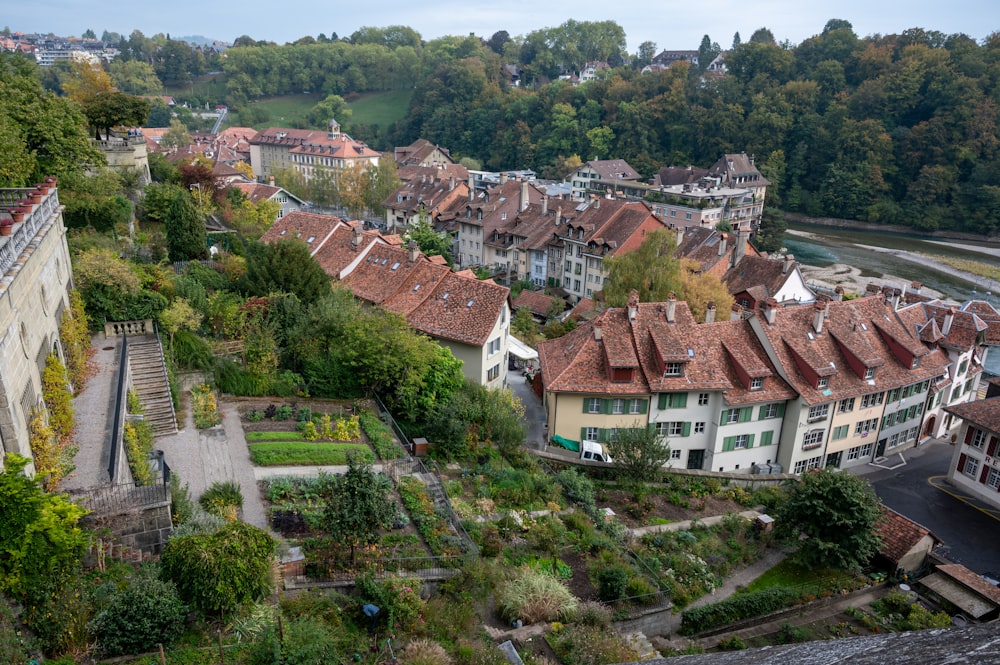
point(23, 232)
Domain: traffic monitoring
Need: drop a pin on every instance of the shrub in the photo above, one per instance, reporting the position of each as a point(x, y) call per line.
point(303, 641)
point(582, 645)
point(206, 409)
point(255, 415)
point(216, 573)
point(736, 608)
point(593, 614)
point(612, 583)
point(147, 611)
point(577, 487)
point(223, 499)
point(533, 596)
point(734, 643)
point(397, 598)
point(181, 505)
point(283, 412)
point(138, 438)
point(425, 652)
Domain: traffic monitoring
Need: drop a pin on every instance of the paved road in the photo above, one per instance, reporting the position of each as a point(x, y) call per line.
point(970, 536)
point(535, 434)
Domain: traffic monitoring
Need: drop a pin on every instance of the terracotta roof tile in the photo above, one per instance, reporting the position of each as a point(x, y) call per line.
point(303, 226)
point(984, 413)
point(462, 309)
point(537, 302)
point(899, 534)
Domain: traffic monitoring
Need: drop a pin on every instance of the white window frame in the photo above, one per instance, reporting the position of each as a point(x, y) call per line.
point(674, 369)
point(699, 428)
point(978, 439)
point(703, 399)
point(593, 405)
point(593, 433)
point(818, 412)
point(845, 405)
point(770, 411)
point(757, 383)
point(618, 407)
point(993, 479)
point(742, 442)
point(971, 467)
point(813, 438)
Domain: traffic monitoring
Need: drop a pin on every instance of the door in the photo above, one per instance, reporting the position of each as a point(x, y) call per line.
point(695, 459)
point(880, 448)
point(833, 460)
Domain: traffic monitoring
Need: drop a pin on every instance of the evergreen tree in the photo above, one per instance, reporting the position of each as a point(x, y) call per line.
point(185, 230)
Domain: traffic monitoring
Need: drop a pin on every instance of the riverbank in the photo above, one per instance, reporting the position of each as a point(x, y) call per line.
point(944, 237)
point(853, 280)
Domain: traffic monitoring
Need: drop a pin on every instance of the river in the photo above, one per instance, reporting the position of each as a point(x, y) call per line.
point(818, 245)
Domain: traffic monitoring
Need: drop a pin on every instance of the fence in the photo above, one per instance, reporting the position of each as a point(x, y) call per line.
point(123, 498)
point(116, 427)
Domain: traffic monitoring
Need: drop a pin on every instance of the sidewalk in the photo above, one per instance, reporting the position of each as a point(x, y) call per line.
point(897, 460)
point(94, 417)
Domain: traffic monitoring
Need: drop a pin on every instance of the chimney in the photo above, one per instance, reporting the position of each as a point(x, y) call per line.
point(838, 293)
point(742, 238)
point(270, 180)
point(545, 205)
point(872, 289)
point(818, 316)
point(916, 286)
point(770, 310)
point(356, 241)
point(949, 318)
point(633, 305)
point(680, 235)
point(736, 312)
point(597, 202)
point(710, 313)
point(414, 251)
point(524, 196)
point(723, 240)
point(598, 333)
point(503, 178)
point(451, 184)
point(558, 216)
point(671, 307)
point(472, 188)
point(894, 298)
point(787, 265)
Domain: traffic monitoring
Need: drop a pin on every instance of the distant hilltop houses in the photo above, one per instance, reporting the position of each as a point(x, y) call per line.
point(48, 49)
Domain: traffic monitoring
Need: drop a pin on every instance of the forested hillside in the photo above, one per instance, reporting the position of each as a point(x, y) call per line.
point(892, 129)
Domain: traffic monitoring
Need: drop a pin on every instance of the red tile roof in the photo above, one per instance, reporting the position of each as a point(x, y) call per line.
point(302, 226)
point(971, 580)
point(984, 413)
point(899, 534)
point(537, 302)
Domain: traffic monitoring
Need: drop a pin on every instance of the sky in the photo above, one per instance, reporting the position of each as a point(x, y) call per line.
point(669, 24)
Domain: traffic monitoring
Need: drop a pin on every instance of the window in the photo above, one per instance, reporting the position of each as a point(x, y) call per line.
point(852, 454)
point(702, 399)
point(840, 432)
point(993, 479)
point(769, 411)
point(757, 384)
point(675, 454)
point(569, 265)
point(971, 466)
point(699, 428)
point(869, 373)
point(866, 450)
point(846, 405)
point(673, 400)
point(978, 439)
point(674, 369)
point(493, 372)
point(824, 382)
point(871, 399)
point(893, 394)
point(963, 367)
point(635, 406)
point(593, 405)
point(730, 416)
point(864, 427)
point(807, 464)
point(617, 406)
point(493, 347)
point(593, 433)
point(742, 441)
point(812, 439)
point(818, 412)
point(576, 285)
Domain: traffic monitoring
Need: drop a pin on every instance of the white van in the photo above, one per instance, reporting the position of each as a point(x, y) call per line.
point(594, 452)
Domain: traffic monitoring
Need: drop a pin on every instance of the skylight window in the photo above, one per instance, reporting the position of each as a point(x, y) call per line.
point(469, 304)
point(283, 232)
point(416, 288)
point(384, 261)
point(310, 238)
point(395, 265)
point(445, 296)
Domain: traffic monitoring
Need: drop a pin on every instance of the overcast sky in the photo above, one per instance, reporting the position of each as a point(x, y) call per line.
point(668, 23)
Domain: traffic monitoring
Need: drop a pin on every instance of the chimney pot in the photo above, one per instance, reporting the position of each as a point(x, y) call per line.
point(724, 238)
point(949, 318)
point(414, 251)
point(736, 312)
point(818, 316)
point(787, 265)
point(598, 333)
point(710, 313)
point(671, 307)
point(770, 310)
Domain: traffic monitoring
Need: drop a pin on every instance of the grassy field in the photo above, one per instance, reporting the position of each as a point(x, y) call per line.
point(788, 574)
point(978, 268)
point(285, 110)
point(274, 436)
point(380, 108)
point(307, 454)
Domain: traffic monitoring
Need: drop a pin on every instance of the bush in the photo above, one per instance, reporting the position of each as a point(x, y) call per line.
point(138, 438)
point(533, 596)
point(612, 583)
point(181, 505)
point(582, 645)
point(283, 412)
point(223, 499)
point(736, 608)
point(425, 652)
point(397, 598)
point(593, 614)
point(577, 487)
point(147, 611)
point(206, 409)
point(305, 641)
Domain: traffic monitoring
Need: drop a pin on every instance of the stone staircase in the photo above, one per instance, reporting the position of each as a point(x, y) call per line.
point(641, 645)
point(149, 380)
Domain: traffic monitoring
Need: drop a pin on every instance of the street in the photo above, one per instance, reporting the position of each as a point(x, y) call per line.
point(970, 537)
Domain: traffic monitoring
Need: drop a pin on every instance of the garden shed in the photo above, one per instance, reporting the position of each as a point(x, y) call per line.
point(905, 544)
point(965, 590)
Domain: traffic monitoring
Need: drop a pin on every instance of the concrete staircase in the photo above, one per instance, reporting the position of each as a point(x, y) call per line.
point(149, 380)
point(641, 645)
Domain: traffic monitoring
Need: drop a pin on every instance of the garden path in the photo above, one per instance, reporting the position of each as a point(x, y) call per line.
point(268, 472)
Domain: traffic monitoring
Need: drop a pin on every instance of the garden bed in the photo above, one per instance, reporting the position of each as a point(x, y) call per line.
point(306, 453)
point(662, 505)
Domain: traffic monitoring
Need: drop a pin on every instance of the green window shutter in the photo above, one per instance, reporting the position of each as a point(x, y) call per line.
point(728, 443)
point(663, 401)
point(722, 418)
point(583, 433)
point(605, 406)
point(687, 430)
point(765, 438)
point(682, 400)
point(781, 409)
point(746, 413)
point(761, 411)
point(586, 404)
point(750, 441)
point(643, 406)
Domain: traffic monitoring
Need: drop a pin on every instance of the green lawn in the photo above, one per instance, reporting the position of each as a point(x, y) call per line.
point(788, 574)
point(285, 110)
point(380, 108)
point(306, 454)
point(211, 87)
point(275, 436)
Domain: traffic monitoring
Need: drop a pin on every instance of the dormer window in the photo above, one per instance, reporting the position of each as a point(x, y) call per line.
point(757, 384)
point(674, 369)
point(824, 382)
point(869, 373)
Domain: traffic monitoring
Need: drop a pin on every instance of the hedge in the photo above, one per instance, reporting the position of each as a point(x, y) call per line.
point(736, 608)
point(306, 454)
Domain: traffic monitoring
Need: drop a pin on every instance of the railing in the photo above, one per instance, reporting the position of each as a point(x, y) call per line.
point(166, 375)
point(24, 232)
point(117, 425)
point(122, 498)
point(137, 327)
point(384, 411)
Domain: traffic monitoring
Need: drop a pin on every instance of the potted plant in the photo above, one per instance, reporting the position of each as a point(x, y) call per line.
point(36, 197)
point(6, 226)
point(43, 187)
point(52, 180)
point(17, 214)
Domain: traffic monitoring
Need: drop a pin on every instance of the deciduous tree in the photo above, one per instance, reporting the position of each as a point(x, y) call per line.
point(358, 506)
point(638, 451)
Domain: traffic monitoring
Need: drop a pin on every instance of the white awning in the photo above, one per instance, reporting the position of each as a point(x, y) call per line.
point(521, 350)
